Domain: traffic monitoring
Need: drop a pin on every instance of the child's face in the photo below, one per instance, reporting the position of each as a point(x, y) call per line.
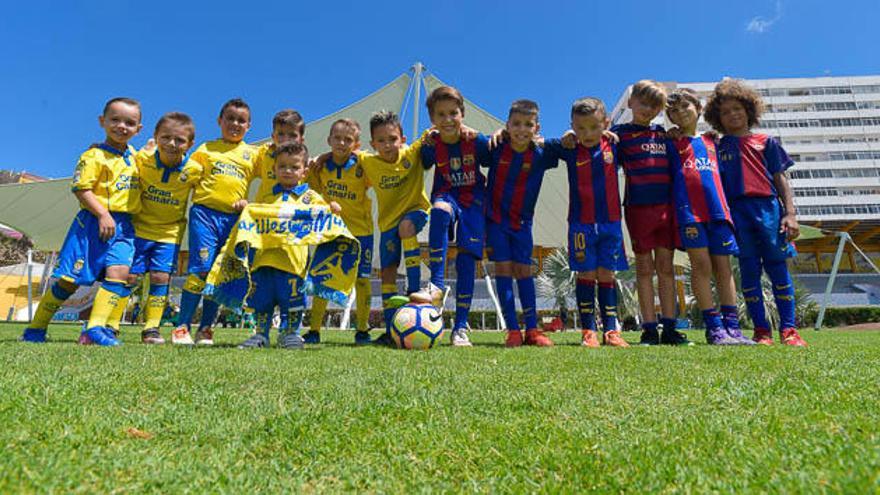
point(588, 128)
point(447, 118)
point(522, 129)
point(173, 140)
point(121, 122)
point(343, 140)
point(387, 140)
point(234, 124)
point(283, 134)
point(734, 117)
point(683, 114)
point(643, 112)
point(290, 169)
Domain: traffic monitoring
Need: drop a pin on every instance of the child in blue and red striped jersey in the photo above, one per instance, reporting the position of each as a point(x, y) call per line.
point(595, 235)
point(515, 177)
point(704, 220)
point(650, 216)
point(753, 171)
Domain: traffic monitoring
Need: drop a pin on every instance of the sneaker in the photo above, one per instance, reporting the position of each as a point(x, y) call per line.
point(99, 336)
point(255, 341)
point(384, 340)
point(313, 337)
point(537, 338)
point(205, 336)
point(514, 339)
point(650, 337)
point(460, 338)
point(674, 337)
point(762, 336)
point(423, 296)
point(34, 335)
point(112, 332)
point(361, 337)
point(737, 335)
point(290, 340)
point(790, 336)
point(152, 336)
point(719, 336)
point(588, 339)
point(612, 338)
point(181, 336)
point(396, 301)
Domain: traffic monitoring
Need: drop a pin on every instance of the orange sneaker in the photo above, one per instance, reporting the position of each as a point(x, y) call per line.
point(763, 336)
point(181, 336)
point(588, 339)
point(537, 338)
point(514, 339)
point(612, 338)
point(790, 336)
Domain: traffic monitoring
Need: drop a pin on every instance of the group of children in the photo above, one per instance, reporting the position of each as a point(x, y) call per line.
point(715, 195)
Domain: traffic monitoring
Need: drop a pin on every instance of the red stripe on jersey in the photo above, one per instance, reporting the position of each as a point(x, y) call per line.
point(586, 198)
point(716, 178)
point(441, 156)
point(754, 169)
point(692, 180)
point(518, 195)
point(501, 171)
point(612, 192)
point(469, 167)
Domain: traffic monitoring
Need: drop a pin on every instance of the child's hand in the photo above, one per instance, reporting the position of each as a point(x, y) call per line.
point(106, 227)
point(498, 138)
point(239, 205)
point(790, 227)
point(569, 140)
point(468, 133)
point(711, 134)
point(319, 161)
point(674, 133)
point(150, 146)
point(335, 208)
point(538, 140)
point(614, 138)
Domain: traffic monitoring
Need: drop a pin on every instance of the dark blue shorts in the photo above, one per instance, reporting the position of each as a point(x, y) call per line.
point(275, 288)
point(84, 256)
point(365, 266)
point(208, 231)
point(469, 225)
point(506, 244)
point(154, 256)
point(594, 245)
point(717, 236)
point(389, 241)
point(757, 229)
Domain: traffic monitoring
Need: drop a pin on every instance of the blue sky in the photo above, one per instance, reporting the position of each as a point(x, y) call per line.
point(62, 60)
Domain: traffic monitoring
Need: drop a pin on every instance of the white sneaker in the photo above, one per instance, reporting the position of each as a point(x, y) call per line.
point(460, 339)
point(181, 336)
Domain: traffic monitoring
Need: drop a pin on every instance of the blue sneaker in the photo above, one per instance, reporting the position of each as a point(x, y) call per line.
point(719, 336)
point(362, 338)
point(312, 337)
point(34, 335)
point(99, 336)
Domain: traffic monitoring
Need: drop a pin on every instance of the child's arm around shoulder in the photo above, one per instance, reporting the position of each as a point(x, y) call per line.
point(84, 179)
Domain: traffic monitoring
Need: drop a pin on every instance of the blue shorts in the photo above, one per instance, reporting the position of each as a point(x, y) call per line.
point(506, 244)
point(389, 241)
point(594, 245)
point(208, 231)
point(365, 266)
point(154, 256)
point(469, 225)
point(273, 287)
point(757, 229)
point(84, 256)
point(718, 236)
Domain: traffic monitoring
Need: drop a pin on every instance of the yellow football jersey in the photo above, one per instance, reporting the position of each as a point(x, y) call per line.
point(111, 176)
point(164, 196)
point(298, 259)
point(399, 187)
point(347, 185)
point(227, 170)
point(264, 169)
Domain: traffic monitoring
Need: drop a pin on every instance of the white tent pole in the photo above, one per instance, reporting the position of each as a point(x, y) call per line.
point(502, 325)
point(30, 290)
point(825, 300)
point(417, 82)
point(346, 314)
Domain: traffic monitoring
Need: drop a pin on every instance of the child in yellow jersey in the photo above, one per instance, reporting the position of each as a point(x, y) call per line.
point(166, 182)
point(227, 167)
point(100, 242)
point(288, 126)
point(277, 276)
point(341, 180)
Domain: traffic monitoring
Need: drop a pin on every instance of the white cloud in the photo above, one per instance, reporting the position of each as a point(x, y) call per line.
point(760, 24)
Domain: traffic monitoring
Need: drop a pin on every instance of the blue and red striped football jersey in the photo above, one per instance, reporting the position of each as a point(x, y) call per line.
point(515, 181)
point(593, 188)
point(696, 181)
point(642, 153)
point(457, 169)
point(748, 164)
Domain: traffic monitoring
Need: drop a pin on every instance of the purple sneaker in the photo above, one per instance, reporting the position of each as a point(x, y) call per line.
point(718, 336)
point(736, 334)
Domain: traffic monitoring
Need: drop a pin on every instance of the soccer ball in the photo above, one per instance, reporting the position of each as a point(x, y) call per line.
point(417, 326)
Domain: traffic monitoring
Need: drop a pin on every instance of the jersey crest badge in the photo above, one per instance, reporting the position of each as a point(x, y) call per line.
point(455, 163)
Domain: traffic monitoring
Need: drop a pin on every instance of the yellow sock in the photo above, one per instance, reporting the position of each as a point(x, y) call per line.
point(49, 305)
point(319, 309)
point(116, 316)
point(109, 295)
point(155, 308)
point(364, 295)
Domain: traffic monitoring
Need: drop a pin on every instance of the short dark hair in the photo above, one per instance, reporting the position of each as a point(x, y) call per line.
point(178, 118)
point(384, 117)
point(289, 117)
point(236, 103)
point(523, 107)
point(122, 99)
point(588, 106)
point(349, 123)
point(442, 93)
point(733, 89)
point(293, 148)
point(684, 94)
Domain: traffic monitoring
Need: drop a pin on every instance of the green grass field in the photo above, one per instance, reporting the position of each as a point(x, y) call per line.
point(487, 419)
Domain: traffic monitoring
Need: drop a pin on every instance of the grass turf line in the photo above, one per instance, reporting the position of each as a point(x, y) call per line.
point(487, 419)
